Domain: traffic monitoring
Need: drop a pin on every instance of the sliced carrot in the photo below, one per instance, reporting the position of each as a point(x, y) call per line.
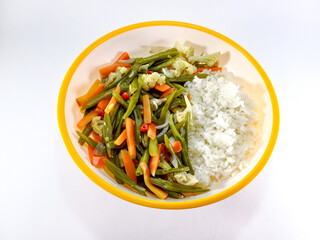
point(94, 90)
point(152, 131)
point(213, 69)
point(162, 88)
point(176, 146)
point(88, 118)
point(154, 162)
point(171, 90)
point(129, 165)
point(105, 71)
point(130, 137)
point(123, 56)
point(98, 162)
point(90, 153)
point(146, 176)
point(96, 137)
point(112, 102)
point(103, 104)
point(146, 109)
point(122, 137)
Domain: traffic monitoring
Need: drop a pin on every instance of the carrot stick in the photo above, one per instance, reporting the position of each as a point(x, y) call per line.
point(146, 176)
point(112, 102)
point(129, 165)
point(88, 118)
point(123, 56)
point(105, 71)
point(214, 69)
point(176, 146)
point(162, 88)
point(98, 162)
point(94, 90)
point(90, 153)
point(171, 90)
point(103, 104)
point(130, 138)
point(146, 109)
point(152, 131)
point(154, 162)
point(122, 137)
point(96, 137)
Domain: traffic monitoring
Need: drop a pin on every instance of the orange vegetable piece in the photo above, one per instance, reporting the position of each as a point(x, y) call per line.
point(98, 161)
point(129, 165)
point(96, 137)
point(130, 138)
point(88, 118)
point(154, 162)
point(162, 88)
point(113, 102)
point(171, 90)
point(103, 104)
point(146, 109)
point(176, 146)
point(152, 131)
point(94, 90)
point(122, 137)
point(199, 70)
point(146, 176)
point(123, 56)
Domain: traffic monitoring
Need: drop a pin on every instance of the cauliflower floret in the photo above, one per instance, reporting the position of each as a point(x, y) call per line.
point(185, 178)
point(97, 125)
point(209, 59)
point(185, 51)
point(150, 80)
point(181, 115)
point(118, 73)
point(182, 67)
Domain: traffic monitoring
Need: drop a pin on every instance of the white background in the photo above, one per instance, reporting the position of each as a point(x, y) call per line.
point(44, 195)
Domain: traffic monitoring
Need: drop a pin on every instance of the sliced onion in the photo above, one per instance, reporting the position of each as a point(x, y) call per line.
point(166, 122)
point(164, 130)
point(130, 60)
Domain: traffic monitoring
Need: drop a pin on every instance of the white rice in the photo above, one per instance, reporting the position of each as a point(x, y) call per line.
point(222, 133)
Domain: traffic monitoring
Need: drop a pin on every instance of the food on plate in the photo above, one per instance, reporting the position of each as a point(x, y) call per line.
point(171, 124)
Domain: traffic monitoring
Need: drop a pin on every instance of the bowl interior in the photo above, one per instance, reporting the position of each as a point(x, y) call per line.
point(137, 42)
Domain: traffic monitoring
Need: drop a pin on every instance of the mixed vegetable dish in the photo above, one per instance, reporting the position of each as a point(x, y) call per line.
point(137, 117)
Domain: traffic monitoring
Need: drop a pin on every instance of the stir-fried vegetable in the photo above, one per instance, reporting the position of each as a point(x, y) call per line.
point(139, 104)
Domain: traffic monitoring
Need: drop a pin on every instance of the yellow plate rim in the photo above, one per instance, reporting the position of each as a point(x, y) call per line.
point(162, 204)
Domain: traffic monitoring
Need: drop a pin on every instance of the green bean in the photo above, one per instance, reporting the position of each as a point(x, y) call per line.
point(184, 151)
point(88, 140)
point(120, 99)
point(174, 194)
point(162, 65)
point(169, 133)
point(177, 102)
point(88, 110)
point(107, 128)
point(145, 140)
point(117, 81)
point(113, 115)
point(160, 56)
point(119, 122)
point(133, 86)
point(117, 163)
point(154, 118)
point(176, 187)
point(179, 92)
point(168, 145)
point(101, 96)
point(186, 130)
point(143, 92)
point(165, 108)
point(111, 145)
point(134, 71)
point(169, 83)
point(183, 79)
point(153, 147)
point(133, 100)
point(86, 131)
point(137, 126)
point(116, 171)
point(163, 164)
point(144, 158)
point(172, 170)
